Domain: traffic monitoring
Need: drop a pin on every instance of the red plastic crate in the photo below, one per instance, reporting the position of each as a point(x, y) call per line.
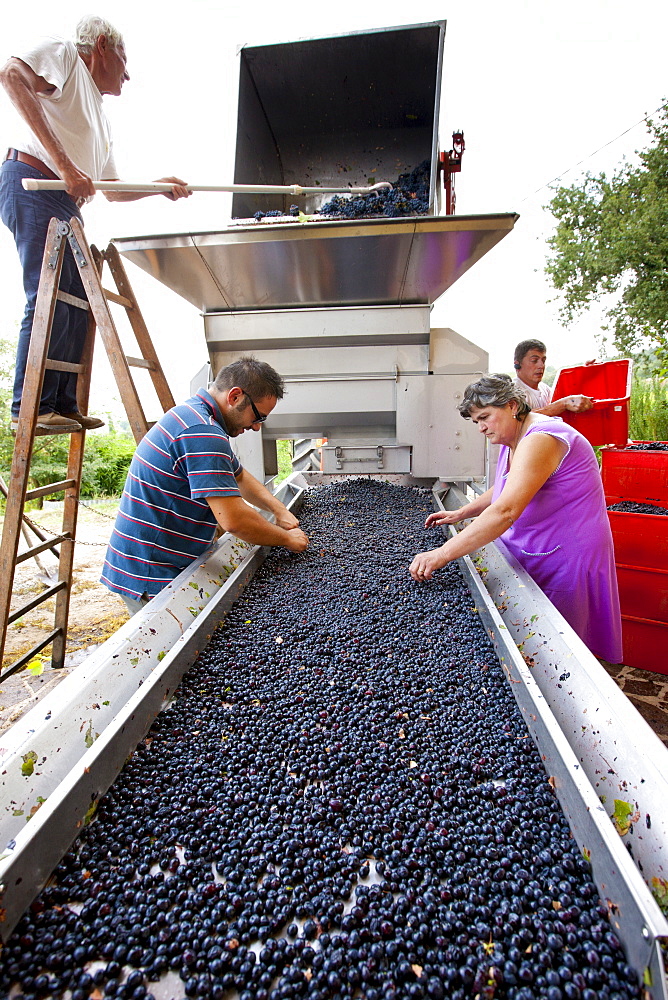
point(641, 476)
point(645, 644)
point(639, 539)
point(643, 593)
point(641, 553)
point(609, 384)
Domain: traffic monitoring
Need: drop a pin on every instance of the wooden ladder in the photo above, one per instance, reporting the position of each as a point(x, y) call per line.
point(90, 263)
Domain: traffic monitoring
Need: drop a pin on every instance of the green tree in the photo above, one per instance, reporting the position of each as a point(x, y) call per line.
point(611, 238)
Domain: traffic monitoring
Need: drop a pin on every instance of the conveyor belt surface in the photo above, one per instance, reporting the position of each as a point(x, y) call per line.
point(345, 766)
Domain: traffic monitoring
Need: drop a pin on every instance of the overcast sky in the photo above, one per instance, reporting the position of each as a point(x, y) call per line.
point(537, 86)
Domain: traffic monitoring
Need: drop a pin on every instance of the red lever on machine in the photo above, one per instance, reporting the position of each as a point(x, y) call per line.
point(451, 163)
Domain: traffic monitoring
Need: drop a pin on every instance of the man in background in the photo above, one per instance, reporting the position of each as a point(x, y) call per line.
point(184, 480)
point(529, 364)
point(57, 88)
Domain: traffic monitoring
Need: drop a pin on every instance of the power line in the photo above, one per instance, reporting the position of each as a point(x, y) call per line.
point(591, 155)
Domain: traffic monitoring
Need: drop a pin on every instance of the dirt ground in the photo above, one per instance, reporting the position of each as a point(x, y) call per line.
point(95, 613)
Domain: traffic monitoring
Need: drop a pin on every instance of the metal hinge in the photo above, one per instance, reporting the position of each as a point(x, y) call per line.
point(76, 250)
point(62, 231)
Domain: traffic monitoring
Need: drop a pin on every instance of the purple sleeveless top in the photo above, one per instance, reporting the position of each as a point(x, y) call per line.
point(564, 542)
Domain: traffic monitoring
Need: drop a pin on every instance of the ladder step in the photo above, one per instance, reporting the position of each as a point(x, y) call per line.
point(36, 601)
point(140, 363)
point(119, 299)
point(27, 657)
point(72, 300)
point(62, 366)
point(43, 491)
point(36, 549)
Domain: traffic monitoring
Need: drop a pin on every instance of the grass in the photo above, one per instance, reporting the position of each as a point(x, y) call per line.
point(82, 585)
point(78, 637)
point(648, 419)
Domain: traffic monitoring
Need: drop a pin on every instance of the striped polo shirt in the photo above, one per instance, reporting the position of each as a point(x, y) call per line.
point(164, 520)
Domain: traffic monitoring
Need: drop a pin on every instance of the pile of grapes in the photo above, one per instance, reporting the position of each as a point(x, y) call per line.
point(409, 196)
point(342, 801)
point(633, 507)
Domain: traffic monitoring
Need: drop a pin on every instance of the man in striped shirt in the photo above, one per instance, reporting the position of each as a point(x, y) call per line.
point(184, 480)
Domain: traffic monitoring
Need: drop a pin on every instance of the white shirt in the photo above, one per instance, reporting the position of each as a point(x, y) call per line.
point(74, 110)
point(538, 398)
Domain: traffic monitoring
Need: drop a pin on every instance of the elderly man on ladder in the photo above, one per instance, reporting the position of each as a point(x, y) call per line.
point(57, 88)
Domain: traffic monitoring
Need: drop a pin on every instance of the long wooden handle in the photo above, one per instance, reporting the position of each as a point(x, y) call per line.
point(32, 184)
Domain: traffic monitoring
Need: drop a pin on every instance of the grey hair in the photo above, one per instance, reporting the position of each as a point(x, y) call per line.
point(256, 378)
point(493, 390)
point(90, 28)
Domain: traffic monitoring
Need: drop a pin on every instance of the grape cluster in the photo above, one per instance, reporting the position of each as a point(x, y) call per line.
point(342, 801)
point(648, 446)
point(632, 507)
point(409, 196)
point(274, 213)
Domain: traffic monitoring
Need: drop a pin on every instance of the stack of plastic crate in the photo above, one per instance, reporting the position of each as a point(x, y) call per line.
point(641, 550)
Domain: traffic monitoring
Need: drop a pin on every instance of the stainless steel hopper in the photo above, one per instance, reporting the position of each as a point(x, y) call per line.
point(375, 262)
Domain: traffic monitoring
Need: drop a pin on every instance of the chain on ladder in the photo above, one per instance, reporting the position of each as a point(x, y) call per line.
point(89, 262)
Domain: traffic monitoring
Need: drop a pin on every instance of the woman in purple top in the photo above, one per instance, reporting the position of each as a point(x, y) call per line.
point(547, 506)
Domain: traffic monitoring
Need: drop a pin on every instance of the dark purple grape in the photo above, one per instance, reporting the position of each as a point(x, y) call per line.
point(648, 446)
point(632, 507)
point(359, 804)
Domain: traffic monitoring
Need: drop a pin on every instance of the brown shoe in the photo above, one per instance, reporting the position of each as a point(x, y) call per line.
point(51, 423)
point(88, 423)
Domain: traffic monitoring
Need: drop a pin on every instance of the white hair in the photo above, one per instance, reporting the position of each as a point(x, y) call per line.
point(90, 28)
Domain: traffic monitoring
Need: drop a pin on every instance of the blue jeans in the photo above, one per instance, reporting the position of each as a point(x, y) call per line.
point(27, 214)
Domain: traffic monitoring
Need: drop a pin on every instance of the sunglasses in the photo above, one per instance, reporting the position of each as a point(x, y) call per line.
point(259, 417)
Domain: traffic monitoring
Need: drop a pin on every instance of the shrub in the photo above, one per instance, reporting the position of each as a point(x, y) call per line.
point(106, 461)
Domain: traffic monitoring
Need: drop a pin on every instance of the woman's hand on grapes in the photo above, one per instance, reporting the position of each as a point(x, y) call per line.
point(445, 517)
